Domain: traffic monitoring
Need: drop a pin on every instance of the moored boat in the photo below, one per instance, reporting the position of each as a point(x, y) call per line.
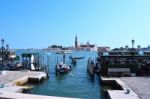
point(75, 57)
point(62, 68)
point(93, 67)
point(62, 52)
point(74, 61)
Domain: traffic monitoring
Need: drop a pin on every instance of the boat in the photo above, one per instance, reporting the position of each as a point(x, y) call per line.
point(75, 57)
point(74, 61)
point(93, 67)
point(62, 52)
point(62, 68)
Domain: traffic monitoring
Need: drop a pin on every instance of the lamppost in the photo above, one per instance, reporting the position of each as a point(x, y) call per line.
point(133, 41)
point(133, 68)
point(7, 47)
point(7, 52)
point(2, 41)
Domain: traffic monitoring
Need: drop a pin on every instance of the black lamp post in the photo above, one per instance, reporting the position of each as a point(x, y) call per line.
point(133, 41)
point(2, 41)
point(134, 67)
point(7, 47)
point(7, 52)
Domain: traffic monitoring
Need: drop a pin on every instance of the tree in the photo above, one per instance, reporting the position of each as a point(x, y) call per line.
point(139, 46)
point(126, 46)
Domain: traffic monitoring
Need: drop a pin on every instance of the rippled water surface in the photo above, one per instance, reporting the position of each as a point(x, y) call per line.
point(76, 84)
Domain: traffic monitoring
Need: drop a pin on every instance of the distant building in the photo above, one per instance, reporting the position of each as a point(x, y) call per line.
point(103, 49)
point(85, 47)
point(145, 49)
point(52, 49)
point(125, 61)
point(89, 47)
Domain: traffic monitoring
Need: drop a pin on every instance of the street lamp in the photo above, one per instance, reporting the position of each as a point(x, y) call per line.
point(2, 41)
point(7, 52)
point(133, 41)
point(133, 66)
point(7, 47)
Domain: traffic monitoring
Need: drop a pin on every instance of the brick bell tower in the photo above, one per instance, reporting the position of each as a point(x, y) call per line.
point(76, 41)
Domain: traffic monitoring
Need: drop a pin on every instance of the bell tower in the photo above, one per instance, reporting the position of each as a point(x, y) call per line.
point(76, 41)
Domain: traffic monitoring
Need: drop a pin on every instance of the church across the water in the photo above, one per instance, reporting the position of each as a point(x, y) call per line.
point(86, 47)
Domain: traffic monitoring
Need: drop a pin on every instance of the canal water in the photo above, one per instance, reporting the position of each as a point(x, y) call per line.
point(76, 84)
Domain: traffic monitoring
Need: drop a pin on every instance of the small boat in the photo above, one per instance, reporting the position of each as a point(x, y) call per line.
point(62, 68)
point(74, 60)
point(75, 57)
point(62, 52)
point(93, 67)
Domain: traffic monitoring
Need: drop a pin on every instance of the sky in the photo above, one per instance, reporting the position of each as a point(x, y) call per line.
point(40, 23)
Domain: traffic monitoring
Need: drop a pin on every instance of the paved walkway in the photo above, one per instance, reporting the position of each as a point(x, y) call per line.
point(120, 94)
point(28, 96)
point(9, 89)
point(140, 85)
point(14, 75)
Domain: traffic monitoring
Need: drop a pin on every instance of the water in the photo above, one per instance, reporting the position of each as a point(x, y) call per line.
point(76, 84)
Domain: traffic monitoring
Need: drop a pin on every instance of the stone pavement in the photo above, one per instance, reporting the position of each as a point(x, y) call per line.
point(11, 76)
point(120, 94)
point(9, 88)
point(140, 85)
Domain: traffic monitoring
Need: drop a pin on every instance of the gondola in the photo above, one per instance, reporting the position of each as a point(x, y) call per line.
point(93, 67)
point(62, 68)
point(75, 57)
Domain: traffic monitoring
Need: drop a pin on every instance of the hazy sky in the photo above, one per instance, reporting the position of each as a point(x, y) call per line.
point(39, 23)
